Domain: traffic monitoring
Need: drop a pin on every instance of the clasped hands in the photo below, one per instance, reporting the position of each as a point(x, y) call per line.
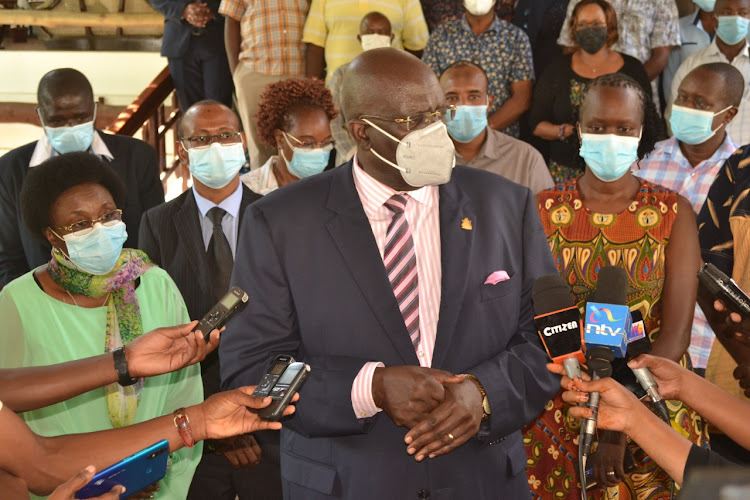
point(442, 410)
point(197, 14)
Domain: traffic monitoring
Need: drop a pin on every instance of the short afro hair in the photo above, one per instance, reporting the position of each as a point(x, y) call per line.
point(281, 99)
point(46, 182)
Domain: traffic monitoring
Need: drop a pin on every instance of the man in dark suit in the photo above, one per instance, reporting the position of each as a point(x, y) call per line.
point(67, 112)
point(350, 271)
point(193, 44)
point(182, 237)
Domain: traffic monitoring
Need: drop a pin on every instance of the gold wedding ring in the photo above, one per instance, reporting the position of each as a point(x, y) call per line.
point(451, 437)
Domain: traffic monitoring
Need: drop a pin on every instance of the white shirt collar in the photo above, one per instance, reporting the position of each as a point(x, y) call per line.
point(43, 150)
point(230, 204)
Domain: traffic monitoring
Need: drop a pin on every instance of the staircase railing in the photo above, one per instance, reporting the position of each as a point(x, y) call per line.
point(155, 112)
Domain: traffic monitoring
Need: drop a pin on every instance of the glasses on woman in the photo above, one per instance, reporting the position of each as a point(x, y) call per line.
point(198, 141)
point(307, 144)
point(88, 225)
point(413, 122)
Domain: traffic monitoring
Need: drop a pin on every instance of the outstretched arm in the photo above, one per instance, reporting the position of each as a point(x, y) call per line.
point(160, 351)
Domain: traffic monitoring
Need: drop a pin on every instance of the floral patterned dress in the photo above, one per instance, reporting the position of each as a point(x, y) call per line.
point(582, 242)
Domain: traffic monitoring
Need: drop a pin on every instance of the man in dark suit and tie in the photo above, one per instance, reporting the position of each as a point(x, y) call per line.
point(67, 112)
point(406, 286)
point(194, 239)
point(193, 44)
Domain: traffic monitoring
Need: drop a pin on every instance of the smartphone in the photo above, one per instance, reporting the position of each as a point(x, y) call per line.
point(134, 472)
point(724, 288)
point(284, 389)
point(230, 304)
point(263, 389)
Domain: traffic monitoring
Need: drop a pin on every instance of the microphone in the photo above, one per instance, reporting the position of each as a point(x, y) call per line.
point(639, 343)
point(558, 323)
point(607, 320)
point(607, 317)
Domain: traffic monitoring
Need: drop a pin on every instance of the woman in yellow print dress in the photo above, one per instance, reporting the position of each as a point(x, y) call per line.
point(610, 217)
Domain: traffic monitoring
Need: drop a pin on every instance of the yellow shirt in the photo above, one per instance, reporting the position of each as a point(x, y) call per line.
point(334, 25)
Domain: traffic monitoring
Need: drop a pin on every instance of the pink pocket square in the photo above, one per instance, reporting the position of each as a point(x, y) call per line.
point(496, 277)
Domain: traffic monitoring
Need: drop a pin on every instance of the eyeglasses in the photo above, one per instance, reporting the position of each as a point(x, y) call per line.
point(412, 122)
point(198, 141)
point(83, 225)
point(328, 145)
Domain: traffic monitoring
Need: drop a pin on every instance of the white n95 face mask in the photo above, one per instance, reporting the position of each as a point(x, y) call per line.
point(425, 157)
point(478, 7)
point(374, 41)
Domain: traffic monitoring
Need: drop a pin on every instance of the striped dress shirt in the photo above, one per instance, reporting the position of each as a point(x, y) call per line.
point(668, 167)
point(423, 215)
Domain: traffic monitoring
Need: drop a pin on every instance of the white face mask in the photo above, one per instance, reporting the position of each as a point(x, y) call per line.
point(478, 7)
point(425, 156)
point(374, 41)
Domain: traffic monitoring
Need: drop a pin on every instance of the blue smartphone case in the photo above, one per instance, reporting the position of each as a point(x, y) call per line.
point(134, 472)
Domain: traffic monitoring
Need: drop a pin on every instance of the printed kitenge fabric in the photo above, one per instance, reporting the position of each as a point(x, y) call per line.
point(582, 242)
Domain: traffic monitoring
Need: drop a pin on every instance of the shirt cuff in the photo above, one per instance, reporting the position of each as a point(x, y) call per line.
point(362, 402)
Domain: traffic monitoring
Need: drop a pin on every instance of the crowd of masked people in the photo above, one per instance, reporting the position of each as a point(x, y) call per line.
point(387, 181)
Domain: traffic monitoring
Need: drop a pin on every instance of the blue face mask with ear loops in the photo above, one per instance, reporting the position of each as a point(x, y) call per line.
point(732, 29)
point(609, 156)
point(468, 122)
point(306, 162)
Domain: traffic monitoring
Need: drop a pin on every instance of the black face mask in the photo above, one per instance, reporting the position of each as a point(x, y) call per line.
point(592, 39)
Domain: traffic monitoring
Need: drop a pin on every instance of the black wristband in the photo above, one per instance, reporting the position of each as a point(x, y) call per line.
point(121, 365)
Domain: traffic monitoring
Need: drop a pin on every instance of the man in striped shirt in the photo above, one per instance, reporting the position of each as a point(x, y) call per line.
point(689, 162)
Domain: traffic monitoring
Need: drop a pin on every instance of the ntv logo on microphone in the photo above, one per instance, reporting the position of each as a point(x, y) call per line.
point(606, 325)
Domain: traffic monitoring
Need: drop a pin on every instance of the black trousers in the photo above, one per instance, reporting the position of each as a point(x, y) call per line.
point(202, 73)
point(216, 479)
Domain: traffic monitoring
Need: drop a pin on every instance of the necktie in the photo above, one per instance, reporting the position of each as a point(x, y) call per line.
point(400, 259)
point(219, 255)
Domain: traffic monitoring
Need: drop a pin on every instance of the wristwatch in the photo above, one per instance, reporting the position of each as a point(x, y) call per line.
point(121, 365)
point(486, 410)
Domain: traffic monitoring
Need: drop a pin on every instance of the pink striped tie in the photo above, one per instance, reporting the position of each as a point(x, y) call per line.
point(400, 259)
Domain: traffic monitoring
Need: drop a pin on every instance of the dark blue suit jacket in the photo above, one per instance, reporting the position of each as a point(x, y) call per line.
point(318, 290)
point(177, 32)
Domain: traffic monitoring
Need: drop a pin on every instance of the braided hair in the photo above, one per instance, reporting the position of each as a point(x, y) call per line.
point(652, 125)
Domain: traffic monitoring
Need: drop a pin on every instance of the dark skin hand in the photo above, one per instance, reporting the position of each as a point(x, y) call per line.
point(460, 415)
point(241, 451)
point(409, 393)
point(734, 334)
point(609, 456)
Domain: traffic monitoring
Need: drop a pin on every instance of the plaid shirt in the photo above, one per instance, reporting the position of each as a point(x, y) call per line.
point(667, 166)
point(271, 32)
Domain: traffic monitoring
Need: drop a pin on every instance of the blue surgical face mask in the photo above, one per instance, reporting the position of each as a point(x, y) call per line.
point(217, 164)
point(96, 250)
point(468, 122)
point(70, 139)
point(732, 29)
point(609, 156)
point(707, 5)
point(693, 126)
point(306, 162)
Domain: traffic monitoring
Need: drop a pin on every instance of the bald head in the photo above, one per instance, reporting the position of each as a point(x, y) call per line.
point(63, 82)
point(375, 22)
point(205, 115)
point(726, 82)
point(390, 83)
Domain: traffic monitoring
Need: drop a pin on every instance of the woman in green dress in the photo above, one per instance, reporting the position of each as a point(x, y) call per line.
point(93, 297)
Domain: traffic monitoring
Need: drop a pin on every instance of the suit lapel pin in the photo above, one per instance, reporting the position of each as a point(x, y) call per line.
point(466, 224)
